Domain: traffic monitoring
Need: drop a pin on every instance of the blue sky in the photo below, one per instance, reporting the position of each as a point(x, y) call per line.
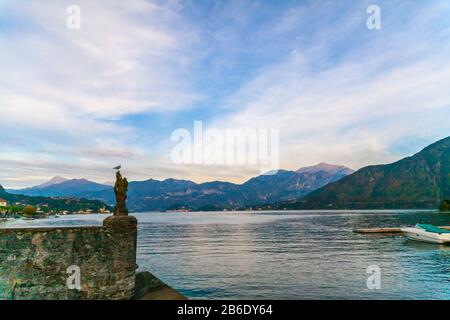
point(76, 102)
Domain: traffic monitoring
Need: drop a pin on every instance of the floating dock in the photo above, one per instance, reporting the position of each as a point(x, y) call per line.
point(378, 230)
point(387, 230)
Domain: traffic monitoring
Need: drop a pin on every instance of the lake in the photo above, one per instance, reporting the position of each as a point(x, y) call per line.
point(287, 255)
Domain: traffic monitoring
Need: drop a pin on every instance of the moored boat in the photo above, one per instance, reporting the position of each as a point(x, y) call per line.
point(427, 233)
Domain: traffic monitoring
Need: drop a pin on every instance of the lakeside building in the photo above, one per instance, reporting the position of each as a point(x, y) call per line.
point(3, 203)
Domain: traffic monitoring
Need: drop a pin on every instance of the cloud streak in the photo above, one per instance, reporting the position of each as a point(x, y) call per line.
point(354, 94)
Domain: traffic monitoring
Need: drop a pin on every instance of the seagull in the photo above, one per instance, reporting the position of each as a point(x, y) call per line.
point(118, 167)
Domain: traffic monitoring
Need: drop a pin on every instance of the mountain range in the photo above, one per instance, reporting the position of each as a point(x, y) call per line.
point(171, 194)
point(61, 187)
point(56, 204)
point(419, 181)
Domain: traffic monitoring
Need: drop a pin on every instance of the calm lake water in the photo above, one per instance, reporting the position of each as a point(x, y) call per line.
point(287, 255)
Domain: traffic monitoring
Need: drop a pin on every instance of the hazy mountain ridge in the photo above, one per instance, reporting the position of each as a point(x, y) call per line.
point(418, 181)
point(152, 195)
point(61, 187)
point(330, 168)
point(51, 182)
point(57, 204)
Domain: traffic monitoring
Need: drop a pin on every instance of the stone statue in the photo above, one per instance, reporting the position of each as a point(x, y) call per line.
point(120, 189)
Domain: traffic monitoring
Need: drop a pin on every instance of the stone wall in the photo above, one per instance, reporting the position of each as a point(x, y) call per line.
point(34, 261)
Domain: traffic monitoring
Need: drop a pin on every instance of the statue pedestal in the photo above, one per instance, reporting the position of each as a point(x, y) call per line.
point(121, 235)
point(121, 222)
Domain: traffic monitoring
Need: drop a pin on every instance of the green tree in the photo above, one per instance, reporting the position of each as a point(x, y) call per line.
point(14, 209)
point(29, 211)
point(445, 205)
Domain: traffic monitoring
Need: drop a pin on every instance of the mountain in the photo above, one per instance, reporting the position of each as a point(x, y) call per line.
point(57, 204)
point(51, 182)
point(286, 185)
point(330, 168)
point(142, 195)
point(155, 195)
point(208, 196)
point(419, 181)
point(61, 187)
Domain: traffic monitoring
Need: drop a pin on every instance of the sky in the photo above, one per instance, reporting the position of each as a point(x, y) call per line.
point(76, 102)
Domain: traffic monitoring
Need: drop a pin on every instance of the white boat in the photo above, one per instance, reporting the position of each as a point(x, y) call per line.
point(427, 233)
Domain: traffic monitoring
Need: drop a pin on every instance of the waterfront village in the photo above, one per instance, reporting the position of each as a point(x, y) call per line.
point(21, 210)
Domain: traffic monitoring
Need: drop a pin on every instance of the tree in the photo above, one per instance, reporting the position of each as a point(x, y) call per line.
point(14, 209)
point(445, 205)
point(29, 211)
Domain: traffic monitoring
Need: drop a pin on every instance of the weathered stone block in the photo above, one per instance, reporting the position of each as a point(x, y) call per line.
point(34, 262)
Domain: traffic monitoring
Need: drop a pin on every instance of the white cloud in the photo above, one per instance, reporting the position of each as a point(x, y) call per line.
point(337, 91)
point(356, 108)
point(64, 91)
point(126, 58)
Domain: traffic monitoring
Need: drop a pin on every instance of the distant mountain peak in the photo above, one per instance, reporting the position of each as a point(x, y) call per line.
point(323, 166)
point(418, 181)
point(52, 181)
point(179, 181)
point(58, 179)
point(61, 187)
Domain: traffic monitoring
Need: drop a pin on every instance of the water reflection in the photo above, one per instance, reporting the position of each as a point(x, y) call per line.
point(288, 255)
point(417, 245)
